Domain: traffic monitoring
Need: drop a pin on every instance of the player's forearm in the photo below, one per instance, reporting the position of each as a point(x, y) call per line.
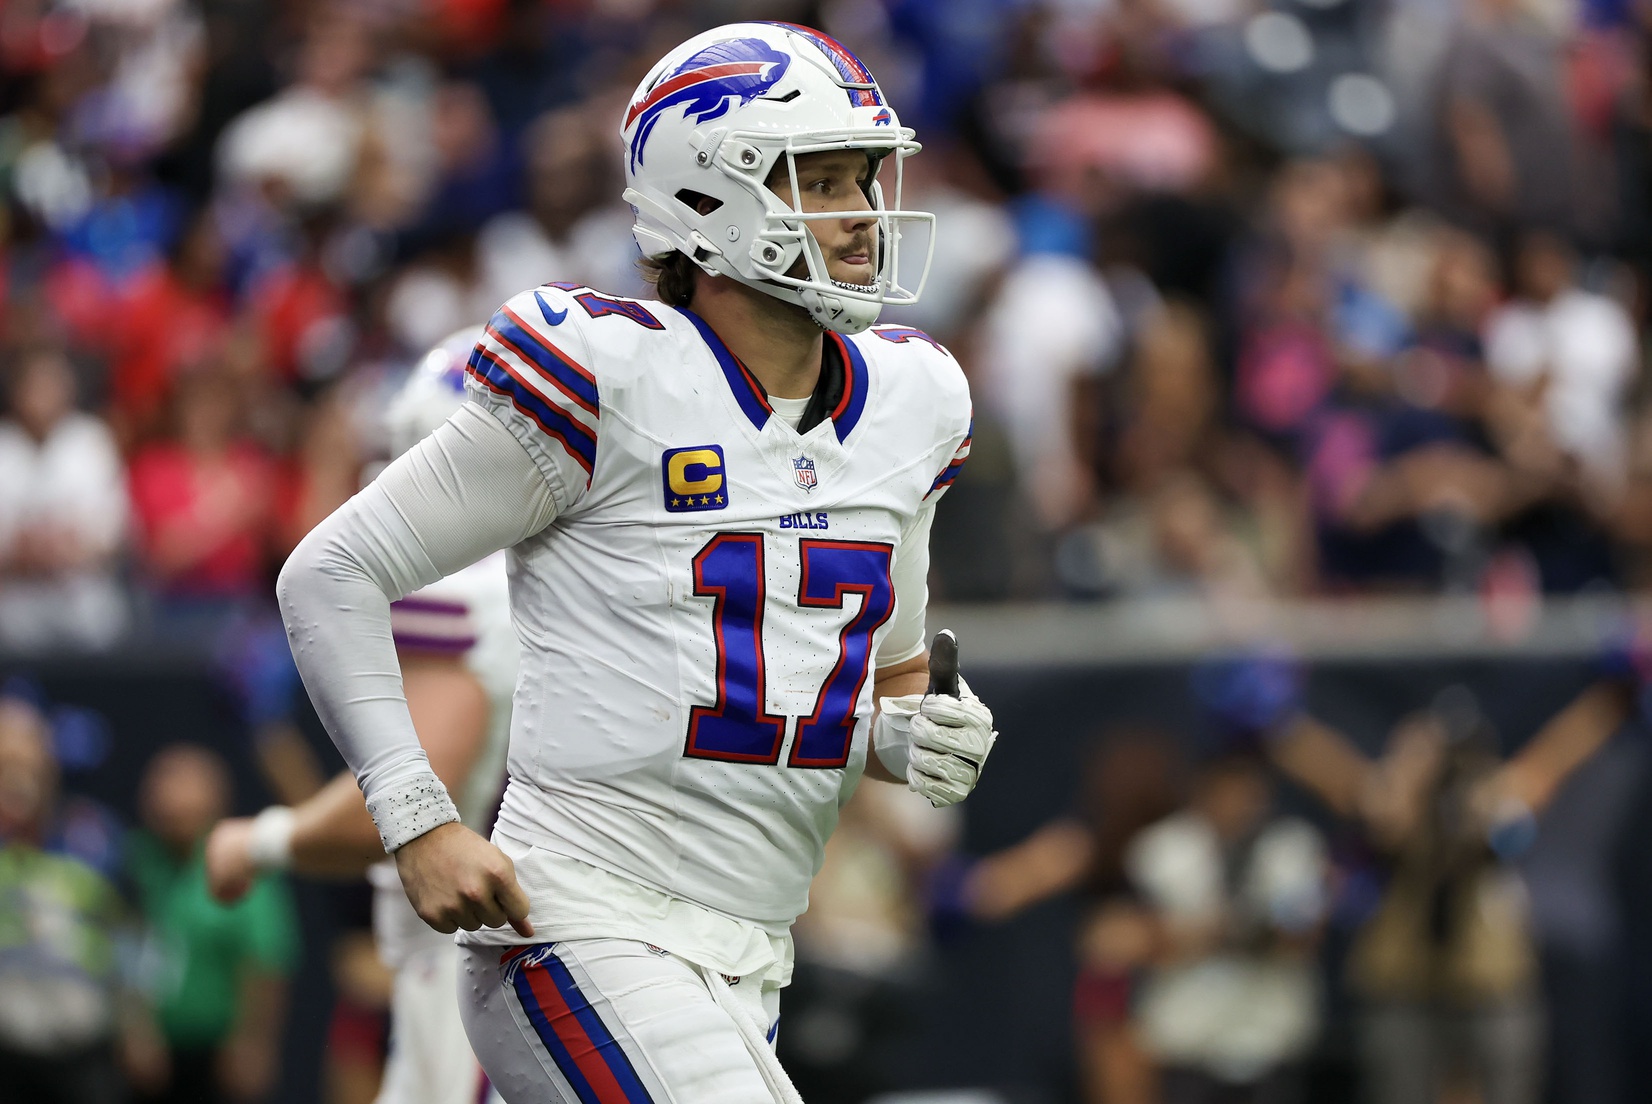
point(333, 835)
point(335, 594)
point(461, 493)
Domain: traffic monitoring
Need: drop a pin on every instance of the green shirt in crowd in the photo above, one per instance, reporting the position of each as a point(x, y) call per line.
point(202, 950)
point(58, 973)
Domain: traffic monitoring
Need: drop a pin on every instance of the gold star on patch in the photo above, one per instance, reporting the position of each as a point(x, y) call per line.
point(719, 500)
point(705, 500)
point(676, 502)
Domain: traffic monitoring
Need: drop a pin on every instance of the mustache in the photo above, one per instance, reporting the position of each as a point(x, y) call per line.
point(862, 244)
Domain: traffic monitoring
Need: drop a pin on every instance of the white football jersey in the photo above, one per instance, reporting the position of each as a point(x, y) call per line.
point(699, 625)
point(465, 615)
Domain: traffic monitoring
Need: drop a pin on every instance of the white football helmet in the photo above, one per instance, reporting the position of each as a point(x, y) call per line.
point(715, 116)
point(434, 389)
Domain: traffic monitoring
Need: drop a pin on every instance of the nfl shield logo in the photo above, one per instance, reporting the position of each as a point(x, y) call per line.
point(804, 468)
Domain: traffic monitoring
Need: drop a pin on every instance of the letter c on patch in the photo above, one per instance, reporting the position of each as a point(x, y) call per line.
point(695, 471)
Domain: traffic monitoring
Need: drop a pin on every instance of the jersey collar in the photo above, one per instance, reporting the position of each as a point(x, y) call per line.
point(747, 391)
point(754, 401)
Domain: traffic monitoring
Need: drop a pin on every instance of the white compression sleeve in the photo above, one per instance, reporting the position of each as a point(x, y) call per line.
point(910, 574)
point(465, 491)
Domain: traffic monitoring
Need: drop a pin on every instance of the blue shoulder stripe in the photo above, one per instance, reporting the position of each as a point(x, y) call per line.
point(562, 370)
point(495, 374)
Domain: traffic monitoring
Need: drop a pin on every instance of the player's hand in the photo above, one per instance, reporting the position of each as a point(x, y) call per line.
point(230, 868)
point(456, 879)
point(951, 738)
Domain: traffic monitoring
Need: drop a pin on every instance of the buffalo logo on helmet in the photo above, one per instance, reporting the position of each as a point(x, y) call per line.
point(703, 86)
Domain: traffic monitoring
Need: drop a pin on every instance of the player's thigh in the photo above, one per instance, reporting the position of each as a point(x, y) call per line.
point(606, 1020)
point(430, 1060)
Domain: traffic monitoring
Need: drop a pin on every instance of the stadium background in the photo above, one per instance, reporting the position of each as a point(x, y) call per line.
point(1320, 325)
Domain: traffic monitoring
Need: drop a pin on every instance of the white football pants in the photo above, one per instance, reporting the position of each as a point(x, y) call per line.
point(430, 1060)
point(615, 1021)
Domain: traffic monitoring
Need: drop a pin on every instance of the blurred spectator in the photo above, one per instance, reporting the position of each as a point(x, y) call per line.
point(1230, 1007)
point(1508, 156)
point(1401, 496)
point(303, 143)
point(202, 499)
point(971, 253)
point(1166, 527)
point(67, 1021)
point(1571, 349)
point(1445, 968)
point(62, 514)
point(1132, 779)
point(861, 946)
point(173, 318)
point(573, 227)
point(1051, 330)
point(1178, 540)
point(323, 472)
point(218, 972)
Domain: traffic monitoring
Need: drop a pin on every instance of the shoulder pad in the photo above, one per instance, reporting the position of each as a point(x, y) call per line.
point(909, 354)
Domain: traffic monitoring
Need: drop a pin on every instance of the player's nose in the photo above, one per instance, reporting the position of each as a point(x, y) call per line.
point(858, 221)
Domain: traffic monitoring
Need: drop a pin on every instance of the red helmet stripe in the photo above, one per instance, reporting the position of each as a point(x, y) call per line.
point(694, 76)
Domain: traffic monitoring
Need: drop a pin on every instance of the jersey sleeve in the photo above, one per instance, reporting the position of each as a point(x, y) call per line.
point(534, 371)
point(960, 453)
point(910, 576)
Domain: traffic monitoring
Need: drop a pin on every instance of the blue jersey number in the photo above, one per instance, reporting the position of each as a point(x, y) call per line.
point(600, 306)
point(737, 727)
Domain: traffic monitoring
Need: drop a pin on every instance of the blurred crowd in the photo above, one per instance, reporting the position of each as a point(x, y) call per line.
point(120, 978)
point(1271, 911)
point(1258, 298)
point(1261, 907)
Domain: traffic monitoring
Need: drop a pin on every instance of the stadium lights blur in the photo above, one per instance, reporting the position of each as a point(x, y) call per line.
point(1279, 42)
point(1361, 104)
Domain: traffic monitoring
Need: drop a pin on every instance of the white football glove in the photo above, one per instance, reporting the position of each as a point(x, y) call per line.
point(937, 743)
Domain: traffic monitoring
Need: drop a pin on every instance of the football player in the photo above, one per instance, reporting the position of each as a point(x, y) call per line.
point(717, 509)
point(457, 651)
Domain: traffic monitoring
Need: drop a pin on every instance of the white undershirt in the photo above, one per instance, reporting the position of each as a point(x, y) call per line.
point(789, 410)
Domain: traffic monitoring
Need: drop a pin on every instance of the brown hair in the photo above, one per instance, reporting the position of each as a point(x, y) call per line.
point(672, 275)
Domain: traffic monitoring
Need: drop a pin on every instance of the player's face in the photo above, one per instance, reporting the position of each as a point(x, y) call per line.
point(836, 180)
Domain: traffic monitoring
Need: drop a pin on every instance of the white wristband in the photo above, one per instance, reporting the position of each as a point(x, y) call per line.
point(892, 732)
point(410, 808)
point(271, 844)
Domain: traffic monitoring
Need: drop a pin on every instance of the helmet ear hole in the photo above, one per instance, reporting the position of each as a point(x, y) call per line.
point(698, 202)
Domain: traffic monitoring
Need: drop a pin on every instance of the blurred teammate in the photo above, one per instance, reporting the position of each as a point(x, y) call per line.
point(457, 653)
point(717, 509)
